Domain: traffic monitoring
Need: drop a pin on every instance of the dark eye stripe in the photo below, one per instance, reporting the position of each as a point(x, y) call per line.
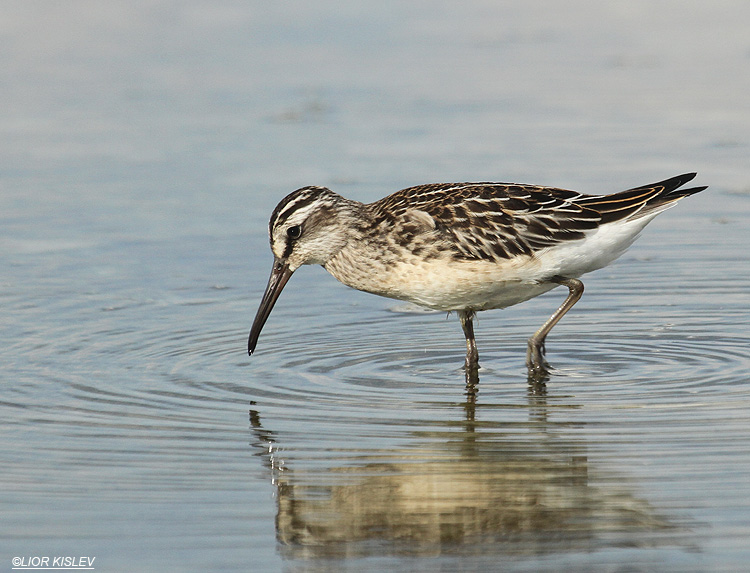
point(288, 249)
point(292, 203)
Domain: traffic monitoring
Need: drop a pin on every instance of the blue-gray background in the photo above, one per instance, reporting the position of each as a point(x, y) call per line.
point(144, 144)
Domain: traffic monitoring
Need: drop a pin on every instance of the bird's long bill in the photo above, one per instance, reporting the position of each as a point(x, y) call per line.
point(279, 277)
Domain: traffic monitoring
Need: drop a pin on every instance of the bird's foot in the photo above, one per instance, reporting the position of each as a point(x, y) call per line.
point(471, 369)
point(535, 362)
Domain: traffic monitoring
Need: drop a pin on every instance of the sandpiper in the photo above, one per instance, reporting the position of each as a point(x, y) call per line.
point(462, 247)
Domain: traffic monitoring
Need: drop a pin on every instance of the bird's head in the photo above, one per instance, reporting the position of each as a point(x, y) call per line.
point(308, 227)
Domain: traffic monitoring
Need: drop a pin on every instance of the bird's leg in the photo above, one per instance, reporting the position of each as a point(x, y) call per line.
point(472, 354)
point(535, 353)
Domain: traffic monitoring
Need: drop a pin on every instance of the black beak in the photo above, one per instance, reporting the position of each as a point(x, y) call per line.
point(279, 277)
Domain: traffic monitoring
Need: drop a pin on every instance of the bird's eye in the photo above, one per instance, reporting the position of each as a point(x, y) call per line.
point(294, 232)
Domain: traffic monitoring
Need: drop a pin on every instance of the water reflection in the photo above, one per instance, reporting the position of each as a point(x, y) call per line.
point(456, 489)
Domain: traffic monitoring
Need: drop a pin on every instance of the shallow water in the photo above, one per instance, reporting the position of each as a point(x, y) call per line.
point(144, 147)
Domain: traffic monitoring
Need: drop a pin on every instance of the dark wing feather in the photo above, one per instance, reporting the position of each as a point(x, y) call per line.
point(640, 201)
point(495, 221)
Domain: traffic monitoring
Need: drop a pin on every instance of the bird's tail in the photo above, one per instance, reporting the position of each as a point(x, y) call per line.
point(641, 201)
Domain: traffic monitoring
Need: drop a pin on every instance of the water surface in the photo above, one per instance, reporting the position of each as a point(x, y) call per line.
point(145, 145)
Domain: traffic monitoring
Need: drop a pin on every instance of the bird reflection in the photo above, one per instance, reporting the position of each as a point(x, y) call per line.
point(461, 488)
point(537, 380)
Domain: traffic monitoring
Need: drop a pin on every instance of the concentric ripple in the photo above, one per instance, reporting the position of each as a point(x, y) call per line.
point(359, 402)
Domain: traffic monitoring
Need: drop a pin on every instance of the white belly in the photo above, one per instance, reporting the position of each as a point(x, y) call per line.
point(449, 284)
